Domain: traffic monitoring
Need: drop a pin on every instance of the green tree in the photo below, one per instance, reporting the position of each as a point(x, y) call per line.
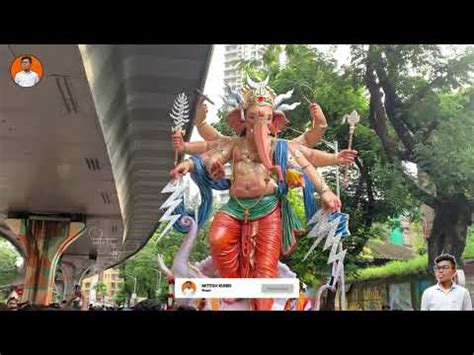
point(421, 108)
point(144, 267)
point(140, 266)
point(121, 296)
point(101, 290)
point(375, 192)
point(8, 260)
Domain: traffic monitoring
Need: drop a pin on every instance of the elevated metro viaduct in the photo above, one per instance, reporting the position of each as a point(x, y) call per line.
point(85, 153)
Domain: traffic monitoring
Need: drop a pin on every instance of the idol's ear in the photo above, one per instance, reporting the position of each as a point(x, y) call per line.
point(278, 122)
point(234, 119)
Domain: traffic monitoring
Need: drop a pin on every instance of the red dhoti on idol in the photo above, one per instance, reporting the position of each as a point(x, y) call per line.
point(246, 243)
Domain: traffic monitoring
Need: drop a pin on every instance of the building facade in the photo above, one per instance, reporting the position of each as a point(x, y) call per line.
point(233, 54)
point(110, 278)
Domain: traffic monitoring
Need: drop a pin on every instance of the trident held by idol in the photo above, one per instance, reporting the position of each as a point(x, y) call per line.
point(205, 97)
point(352, 120)
point(180, 115)
point(310, 90)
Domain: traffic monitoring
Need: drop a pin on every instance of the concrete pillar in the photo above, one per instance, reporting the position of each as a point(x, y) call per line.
point(68, 271)
point(75, 269)
point(45, 240)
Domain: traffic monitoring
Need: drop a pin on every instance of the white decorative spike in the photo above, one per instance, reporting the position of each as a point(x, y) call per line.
point(333, 256)
point(351, 119)
point(285, 107)
point(322, 229)
point(280, 98)
point(177, 189)
point(338, 271)
point(315, 244)
point(318, 233)
point(331, 239)
point(180, 112)
point(339, 258)
point(254, 85)
point(232, 99)
point(319, 216)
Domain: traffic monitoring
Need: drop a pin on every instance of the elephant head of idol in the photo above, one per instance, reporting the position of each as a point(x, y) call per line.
point(258, 111)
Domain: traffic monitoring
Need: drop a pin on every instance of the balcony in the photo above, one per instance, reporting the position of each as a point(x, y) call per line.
point(232, 49)
point(232, 77)
point(231, 71)
point(232, 58)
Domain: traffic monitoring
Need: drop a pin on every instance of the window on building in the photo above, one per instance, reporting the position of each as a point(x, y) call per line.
point(87, 285)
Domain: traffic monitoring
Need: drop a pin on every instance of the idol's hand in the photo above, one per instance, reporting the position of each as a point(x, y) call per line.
point(178, 142)
point(201, 112)
point(217, 171)
point(317, 115)
point(346, 156)
point(181, 169)
point(330, 201)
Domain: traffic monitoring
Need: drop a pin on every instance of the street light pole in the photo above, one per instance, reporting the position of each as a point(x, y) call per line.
point(342, 293)
point(134, 294)
point(159, 283)
point(158, 280)
point(338, 186)
point(338, 192)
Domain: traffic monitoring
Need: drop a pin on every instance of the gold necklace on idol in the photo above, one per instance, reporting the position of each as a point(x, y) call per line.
point(267, 180)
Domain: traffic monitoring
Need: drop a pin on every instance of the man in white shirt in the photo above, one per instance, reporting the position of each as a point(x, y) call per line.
point(446, 295)
point(188, 288)
point(27, 77)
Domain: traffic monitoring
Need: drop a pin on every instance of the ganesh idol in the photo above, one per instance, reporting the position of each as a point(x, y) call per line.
point(258, 225)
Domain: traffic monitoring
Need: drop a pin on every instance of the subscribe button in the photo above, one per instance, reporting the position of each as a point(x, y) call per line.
point(236, 288)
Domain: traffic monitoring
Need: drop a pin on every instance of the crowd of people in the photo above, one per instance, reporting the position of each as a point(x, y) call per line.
point(76, 303)
point(446, 294)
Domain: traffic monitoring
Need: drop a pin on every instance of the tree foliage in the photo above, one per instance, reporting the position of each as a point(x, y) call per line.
point(8, 260)
point(101, 289)
point(421, 107)
point(144, 267)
